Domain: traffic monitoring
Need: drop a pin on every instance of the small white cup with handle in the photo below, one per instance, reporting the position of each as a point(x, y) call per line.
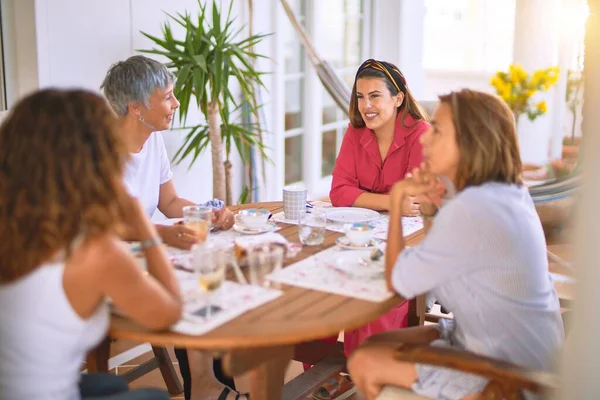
point(253, 218)
point(359, 234)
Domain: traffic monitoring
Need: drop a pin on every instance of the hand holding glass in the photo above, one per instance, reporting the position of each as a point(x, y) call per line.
point(198, 218)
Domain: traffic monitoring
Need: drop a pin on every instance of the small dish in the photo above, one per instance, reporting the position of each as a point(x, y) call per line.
point(253, 218)
point(270, 226)
point(345, 243)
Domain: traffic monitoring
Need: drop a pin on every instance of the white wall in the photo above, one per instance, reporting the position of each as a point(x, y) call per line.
point(536, 46)
point(398, 38)
point(19, 47)
point(441, 82)
point(75, 43)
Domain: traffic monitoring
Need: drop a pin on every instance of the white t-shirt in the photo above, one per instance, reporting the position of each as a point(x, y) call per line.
point(147, 170)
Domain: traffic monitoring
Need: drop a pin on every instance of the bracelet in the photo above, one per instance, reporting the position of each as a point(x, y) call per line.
point(148, 243)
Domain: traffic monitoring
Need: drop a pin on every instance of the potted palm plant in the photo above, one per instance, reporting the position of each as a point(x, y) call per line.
point(207, 62)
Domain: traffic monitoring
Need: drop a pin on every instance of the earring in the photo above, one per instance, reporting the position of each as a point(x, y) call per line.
point(141, 118)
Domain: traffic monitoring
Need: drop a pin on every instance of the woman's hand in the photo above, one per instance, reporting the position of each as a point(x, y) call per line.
point(223, 219)
point(411, 207)
point(431, 200)
point(178, 235)
point(420, 186)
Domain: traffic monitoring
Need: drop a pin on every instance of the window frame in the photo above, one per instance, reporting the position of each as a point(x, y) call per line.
point(312, 129)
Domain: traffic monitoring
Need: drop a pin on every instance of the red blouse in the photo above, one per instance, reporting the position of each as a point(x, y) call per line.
point(359, 169)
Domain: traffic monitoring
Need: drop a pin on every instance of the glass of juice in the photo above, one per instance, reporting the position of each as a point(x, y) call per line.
point(198, 218)
point(209, 264)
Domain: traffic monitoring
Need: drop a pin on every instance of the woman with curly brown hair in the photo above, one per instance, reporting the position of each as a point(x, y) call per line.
point(62, 202)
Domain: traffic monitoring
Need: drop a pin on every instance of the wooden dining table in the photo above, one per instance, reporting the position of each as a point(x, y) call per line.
point(264, 340)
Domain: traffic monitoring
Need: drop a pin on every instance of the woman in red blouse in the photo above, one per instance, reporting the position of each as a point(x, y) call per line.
point(382, 141)
point(380, 146)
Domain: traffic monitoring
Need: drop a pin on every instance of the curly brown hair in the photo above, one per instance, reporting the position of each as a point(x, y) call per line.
point(61, 165)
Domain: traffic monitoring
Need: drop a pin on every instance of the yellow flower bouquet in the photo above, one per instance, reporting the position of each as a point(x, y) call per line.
point(516, 87)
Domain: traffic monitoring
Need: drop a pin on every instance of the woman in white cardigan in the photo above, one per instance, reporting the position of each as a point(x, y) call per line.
point(483, 258)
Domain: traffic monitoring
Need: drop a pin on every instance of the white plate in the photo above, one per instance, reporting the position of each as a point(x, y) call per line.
point(351, 215)
point(344, 243)
point(269, 227)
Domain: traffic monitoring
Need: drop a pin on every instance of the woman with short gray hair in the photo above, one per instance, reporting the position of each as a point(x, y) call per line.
point(140, 91)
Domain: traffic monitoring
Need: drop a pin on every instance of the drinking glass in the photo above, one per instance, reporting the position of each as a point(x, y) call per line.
point(209, 264)
point(312, 227)
point(198, 218)
point(262, 260)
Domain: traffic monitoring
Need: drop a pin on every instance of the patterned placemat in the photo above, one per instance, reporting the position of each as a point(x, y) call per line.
point(349, 273)
point(228, 302)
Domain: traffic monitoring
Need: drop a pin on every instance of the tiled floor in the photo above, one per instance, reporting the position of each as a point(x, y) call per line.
point(154, 378)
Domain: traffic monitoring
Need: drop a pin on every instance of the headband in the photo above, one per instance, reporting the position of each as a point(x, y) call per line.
point(390, 71)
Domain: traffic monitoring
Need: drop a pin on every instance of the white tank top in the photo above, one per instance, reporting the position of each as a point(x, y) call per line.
point(43, 342)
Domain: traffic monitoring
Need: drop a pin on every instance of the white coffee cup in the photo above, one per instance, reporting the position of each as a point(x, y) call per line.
point(253, 218)
point(359, 234)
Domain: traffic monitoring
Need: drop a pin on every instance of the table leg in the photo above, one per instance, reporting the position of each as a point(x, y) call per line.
point(266, 369)
point(97, 359)
point(266, 380)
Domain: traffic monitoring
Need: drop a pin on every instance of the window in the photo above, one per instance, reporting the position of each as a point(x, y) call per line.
point(339, 34)
point(468, 35)
point(294, 96)
point(343, 48)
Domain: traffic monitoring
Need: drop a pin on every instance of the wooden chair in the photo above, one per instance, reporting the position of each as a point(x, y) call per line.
point(161, 360)
point(329, 360)
point(506, 380)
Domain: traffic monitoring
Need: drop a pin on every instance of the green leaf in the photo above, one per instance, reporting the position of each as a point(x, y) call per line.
point(180, 20)
point(216, 16)
point(209, 60)
point(200, 61)
point(245, 195)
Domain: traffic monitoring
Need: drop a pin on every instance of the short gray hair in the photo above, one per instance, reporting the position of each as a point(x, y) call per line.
point(134, 80)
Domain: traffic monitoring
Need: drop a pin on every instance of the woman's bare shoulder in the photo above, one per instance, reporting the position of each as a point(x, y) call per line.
point(100, 254)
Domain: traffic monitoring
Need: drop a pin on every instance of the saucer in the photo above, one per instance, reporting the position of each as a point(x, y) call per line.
point(344, 243)
point(269, 227)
